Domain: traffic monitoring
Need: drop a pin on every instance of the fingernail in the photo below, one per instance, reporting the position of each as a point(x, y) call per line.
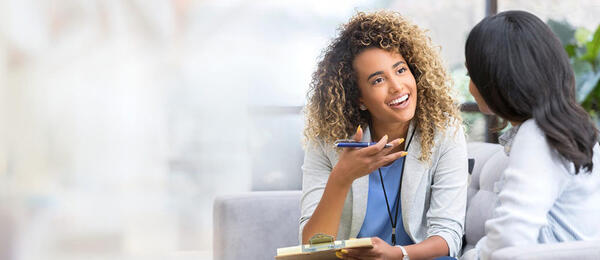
point(401, 140)
point(358, 129)
point(385, 136)
point(338, 254)
point(344, 251)
point(403, 153)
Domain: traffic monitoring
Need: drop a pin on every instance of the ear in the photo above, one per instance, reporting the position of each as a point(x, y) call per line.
point(361, 104)
point(361, 101)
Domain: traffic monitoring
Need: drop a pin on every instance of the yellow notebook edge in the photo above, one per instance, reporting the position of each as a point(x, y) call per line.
point(351, 243)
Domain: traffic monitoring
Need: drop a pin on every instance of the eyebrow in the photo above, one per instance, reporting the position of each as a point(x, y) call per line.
point(381, 72)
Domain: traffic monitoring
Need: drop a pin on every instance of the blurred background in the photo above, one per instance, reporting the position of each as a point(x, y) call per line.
point(122, 120)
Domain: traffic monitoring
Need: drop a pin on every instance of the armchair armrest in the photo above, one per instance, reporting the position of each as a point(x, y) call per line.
point(253, 225)
point(568, 250)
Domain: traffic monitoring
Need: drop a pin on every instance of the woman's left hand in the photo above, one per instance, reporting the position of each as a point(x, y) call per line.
point(381, 251)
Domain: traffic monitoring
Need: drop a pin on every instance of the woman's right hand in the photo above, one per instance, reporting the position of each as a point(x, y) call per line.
point(354, 163)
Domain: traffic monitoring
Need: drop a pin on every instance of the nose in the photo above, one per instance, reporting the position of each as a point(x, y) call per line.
point(395, 85)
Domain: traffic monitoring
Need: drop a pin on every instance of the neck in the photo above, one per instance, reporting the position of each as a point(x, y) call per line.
point(393, 130)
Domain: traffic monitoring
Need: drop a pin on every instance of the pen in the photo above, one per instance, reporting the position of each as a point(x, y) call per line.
point(358, 144)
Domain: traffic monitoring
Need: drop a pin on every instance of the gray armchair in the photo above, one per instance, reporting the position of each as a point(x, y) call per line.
point(253, 225)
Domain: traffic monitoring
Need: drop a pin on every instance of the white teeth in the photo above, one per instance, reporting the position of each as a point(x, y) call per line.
point(398, 100)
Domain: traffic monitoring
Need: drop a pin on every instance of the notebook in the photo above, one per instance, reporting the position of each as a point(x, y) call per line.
point(321, 247)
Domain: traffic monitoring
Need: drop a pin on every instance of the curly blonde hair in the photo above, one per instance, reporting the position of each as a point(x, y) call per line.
point(332, 111)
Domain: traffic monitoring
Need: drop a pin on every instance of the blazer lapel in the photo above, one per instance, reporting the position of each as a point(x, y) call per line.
point(411, 179)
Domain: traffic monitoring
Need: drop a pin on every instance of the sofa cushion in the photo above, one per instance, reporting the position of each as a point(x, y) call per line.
point(490, 162)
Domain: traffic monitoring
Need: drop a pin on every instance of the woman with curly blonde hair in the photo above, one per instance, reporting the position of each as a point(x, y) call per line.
point(381, 74)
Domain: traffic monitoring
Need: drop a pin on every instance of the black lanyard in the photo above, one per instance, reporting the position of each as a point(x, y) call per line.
point(395, 220)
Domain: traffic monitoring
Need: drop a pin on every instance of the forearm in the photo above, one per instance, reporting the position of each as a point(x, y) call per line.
point(326, 218)
point(434, 246)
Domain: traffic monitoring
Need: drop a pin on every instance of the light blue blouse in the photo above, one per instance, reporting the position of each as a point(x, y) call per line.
point(377, 221)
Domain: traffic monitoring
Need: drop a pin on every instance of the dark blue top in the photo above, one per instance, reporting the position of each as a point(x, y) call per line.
point(377, 221)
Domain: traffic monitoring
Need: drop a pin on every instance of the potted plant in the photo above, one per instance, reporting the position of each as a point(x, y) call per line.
point(583, 48)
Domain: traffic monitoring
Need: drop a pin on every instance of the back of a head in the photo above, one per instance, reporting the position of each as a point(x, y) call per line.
point(522, 71)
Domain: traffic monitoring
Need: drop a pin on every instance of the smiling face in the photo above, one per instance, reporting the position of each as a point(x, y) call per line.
point(387, 87)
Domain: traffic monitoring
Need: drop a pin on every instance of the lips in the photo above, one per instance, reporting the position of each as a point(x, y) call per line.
point(399, 101)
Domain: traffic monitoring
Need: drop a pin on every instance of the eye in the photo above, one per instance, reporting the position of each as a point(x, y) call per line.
point(376, 81)
point(401, 70)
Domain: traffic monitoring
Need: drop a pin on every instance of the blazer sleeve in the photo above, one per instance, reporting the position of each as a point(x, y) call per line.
point(315, 173)
point(448, 203)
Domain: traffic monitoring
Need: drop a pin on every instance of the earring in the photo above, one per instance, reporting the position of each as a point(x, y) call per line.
point(363, 107)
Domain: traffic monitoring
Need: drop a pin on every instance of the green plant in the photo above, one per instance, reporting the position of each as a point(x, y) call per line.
point(583, 48)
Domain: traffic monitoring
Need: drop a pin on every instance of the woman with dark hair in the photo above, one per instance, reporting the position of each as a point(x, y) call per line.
point(383, 75)
point(550, 190)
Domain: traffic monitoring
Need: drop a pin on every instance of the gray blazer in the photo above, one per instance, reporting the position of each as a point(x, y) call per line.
point(433, 195)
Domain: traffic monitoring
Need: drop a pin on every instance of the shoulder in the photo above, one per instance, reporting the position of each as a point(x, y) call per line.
point(449, 140)
point(313, 143)
point(530, 151)
point(319, 145)
point(530, 131)
point(529, 137)
point(452, 135)
point(317, 149)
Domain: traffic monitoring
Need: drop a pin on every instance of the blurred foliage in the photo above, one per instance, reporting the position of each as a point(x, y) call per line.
point(474, 122)
point(460, 80)
point(583, 48)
